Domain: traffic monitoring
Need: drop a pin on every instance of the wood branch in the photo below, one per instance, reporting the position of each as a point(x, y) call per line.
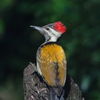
point(36, 89)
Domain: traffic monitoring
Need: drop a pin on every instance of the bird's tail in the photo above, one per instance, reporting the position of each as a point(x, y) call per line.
point(54, 96)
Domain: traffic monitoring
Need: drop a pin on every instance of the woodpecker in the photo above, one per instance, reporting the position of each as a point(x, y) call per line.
point(51, 59)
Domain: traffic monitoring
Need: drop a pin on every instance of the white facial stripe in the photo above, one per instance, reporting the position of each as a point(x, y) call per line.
point(53, 34)
point(56, 33)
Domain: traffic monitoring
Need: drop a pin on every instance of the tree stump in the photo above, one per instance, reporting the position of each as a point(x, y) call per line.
point(36, 89)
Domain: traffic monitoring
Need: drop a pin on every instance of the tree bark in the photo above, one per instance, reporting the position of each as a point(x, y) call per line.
point(36, 89)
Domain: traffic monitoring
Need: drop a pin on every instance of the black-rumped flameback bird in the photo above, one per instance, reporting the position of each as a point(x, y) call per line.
point(51, 59)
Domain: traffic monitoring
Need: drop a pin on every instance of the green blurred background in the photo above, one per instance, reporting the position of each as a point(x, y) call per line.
point(19, 42)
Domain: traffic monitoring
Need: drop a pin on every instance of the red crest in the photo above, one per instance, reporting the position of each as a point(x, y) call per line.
point(59, 26)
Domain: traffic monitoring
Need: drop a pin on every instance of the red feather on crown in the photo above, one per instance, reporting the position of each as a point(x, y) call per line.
point(59, 26)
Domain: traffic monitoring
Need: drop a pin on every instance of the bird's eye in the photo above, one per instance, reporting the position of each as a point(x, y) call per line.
point(47, 28)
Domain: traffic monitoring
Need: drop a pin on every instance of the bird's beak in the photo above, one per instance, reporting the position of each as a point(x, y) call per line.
point(40, 29)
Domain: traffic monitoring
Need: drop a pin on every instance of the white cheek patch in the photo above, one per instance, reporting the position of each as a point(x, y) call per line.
point(53, 34)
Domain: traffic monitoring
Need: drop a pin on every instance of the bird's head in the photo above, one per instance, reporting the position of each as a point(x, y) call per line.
point(51, 31)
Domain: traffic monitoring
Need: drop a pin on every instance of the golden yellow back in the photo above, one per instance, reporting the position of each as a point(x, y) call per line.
point(52, 62)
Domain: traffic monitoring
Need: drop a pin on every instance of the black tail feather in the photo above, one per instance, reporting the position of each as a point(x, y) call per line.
point(58, 91)
point(54, 96)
